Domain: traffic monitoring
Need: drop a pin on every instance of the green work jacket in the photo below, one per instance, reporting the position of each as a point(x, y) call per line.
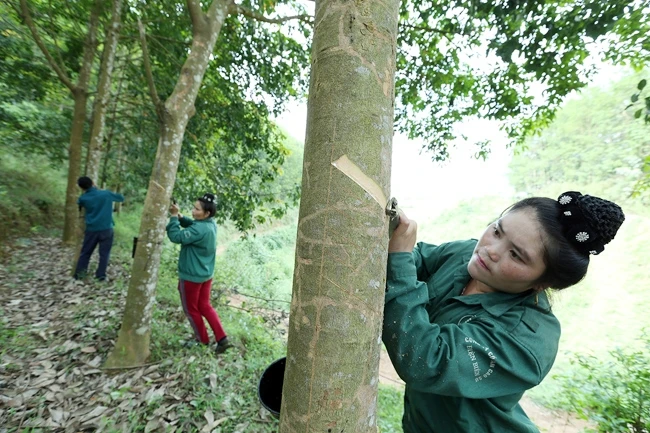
point(466, 360)
point(198, 247)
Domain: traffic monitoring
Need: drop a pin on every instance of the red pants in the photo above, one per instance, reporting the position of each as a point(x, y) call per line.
point(195, 298)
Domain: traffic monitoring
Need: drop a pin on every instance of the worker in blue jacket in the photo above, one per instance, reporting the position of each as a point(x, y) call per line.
point(468, 325)
point(98, 206)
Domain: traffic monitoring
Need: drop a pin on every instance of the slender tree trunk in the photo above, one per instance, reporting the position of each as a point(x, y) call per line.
point(119, 161)
point(80, 93)
point(132, 346)
point(331, 376)
point(95, 146)
point(74, 156)
point(73, 230)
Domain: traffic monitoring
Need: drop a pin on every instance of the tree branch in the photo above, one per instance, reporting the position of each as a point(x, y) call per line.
point(196, 14)
point(147, 69)
point(90, 46)
point(237, 9)
point(37, 38)
point(426, 28)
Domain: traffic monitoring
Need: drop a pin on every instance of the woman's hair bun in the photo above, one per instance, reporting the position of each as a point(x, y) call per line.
point(589, 222)
point(207, 198)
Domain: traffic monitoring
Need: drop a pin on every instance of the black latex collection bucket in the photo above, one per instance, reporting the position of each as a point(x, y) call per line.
point(269, 389)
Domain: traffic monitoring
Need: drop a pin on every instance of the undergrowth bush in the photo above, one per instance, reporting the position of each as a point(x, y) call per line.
point(613, 393)
point(390, 406)
point(32, 195)
point(260, 265)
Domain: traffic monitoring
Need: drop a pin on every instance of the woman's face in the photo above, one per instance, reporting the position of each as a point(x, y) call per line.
point(509, 257)
point(198, 213)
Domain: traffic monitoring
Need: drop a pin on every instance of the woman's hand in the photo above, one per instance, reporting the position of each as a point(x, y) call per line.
point(404, 236)
point(173, 210)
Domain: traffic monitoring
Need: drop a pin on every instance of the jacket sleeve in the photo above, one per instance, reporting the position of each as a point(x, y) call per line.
point(429, 258)
point(117, 197)
point(186, 236)
point(185, 221)
point(474, 359)
point(425, 258)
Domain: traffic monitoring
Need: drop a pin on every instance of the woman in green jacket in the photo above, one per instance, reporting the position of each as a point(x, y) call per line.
point(468, 325)
point(198, 240)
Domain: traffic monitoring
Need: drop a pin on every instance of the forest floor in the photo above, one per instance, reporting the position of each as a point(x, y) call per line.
point(59, 383)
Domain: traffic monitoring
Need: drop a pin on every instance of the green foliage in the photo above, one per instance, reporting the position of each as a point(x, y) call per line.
point(643, 111)
point(593, 144)
point(31, 195)
point(33, 119)
point(35, 128)
point(613, 393)
point(630, 42)
point(127, 224)
point(440, 78)
point(231, 145)
point(24, 75)
point(390, 407)
point(640, 103)
point(260, 265)
point(233, 148)
point(253, 168)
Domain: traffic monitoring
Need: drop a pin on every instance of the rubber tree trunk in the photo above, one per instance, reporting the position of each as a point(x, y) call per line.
point(79, 92)
point(95, 145)
point(331, 375)
point(132, 346)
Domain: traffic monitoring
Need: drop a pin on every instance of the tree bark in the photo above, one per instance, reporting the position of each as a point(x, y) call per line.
point(331, 375)
point(80, 94)
point(132, 346)
point(95, 146)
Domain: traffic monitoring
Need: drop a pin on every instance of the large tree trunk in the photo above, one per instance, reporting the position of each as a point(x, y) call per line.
point(95, 145)
point(331, 375)
point(132, 346)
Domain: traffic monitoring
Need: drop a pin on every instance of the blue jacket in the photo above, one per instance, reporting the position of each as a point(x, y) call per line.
point(99, 208)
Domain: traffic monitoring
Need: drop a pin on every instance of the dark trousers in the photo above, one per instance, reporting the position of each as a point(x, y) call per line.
point(104, 239)
point(195, 298)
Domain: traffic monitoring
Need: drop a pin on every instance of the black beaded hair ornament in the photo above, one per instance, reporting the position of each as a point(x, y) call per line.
point(589, 222)
point(207, 198)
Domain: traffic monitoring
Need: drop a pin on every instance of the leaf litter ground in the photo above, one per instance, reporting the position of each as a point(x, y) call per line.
point(56, 332)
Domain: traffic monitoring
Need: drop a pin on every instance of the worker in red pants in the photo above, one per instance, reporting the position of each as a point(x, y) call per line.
point(198, 240)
